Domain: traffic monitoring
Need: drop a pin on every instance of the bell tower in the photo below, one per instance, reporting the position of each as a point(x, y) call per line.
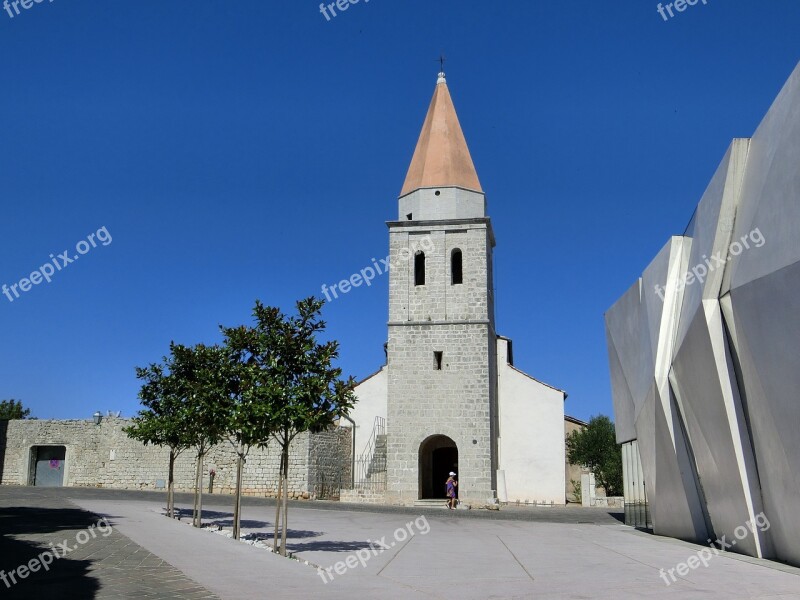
point(442, 361)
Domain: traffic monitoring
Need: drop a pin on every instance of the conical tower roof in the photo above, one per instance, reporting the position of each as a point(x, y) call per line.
point(442, 158)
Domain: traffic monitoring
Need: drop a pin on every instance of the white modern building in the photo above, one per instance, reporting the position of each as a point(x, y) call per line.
point(704, 351)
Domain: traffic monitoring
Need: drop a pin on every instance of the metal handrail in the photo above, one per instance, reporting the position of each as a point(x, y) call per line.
point(370, 468)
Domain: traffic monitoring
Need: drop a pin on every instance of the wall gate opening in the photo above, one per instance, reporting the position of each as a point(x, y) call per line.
point(49, 465)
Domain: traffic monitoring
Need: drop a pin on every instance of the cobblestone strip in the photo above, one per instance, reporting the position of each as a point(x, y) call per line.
point(106, 565)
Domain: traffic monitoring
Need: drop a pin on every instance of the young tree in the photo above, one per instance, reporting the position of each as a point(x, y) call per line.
point(202, 377)
point(163, 422)
point(12, 409)
point(596, 448)
point(249, 419)
point(297, 384)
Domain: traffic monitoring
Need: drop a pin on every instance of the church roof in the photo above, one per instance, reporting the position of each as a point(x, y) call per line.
point(442, 158)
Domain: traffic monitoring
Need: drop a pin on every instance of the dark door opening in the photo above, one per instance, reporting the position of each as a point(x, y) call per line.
point(445, 461)
point(438, 455)
point(50, 464)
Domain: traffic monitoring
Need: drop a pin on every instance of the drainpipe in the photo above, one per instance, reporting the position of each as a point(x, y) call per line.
point(352, 455)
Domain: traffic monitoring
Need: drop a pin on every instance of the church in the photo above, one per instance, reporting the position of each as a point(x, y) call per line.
point(449, 398)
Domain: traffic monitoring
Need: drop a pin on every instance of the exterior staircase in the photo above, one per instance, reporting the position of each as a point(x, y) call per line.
point(377, 464)
point(369, 481)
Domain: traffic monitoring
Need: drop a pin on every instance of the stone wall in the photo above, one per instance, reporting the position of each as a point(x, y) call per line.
point(362, 497)
point(104, 456)
point(330, 462)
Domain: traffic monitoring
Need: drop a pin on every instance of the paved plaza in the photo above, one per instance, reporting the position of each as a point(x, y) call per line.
point(363, 552)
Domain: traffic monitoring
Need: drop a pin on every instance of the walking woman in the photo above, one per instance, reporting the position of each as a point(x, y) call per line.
point(450, 486)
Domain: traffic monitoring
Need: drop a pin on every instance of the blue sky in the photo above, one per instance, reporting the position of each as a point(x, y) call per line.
point(253, 149)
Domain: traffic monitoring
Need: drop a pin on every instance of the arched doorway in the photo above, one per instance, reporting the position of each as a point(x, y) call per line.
point(438, 455)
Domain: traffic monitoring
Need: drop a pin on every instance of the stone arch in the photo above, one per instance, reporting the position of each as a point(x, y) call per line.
point(438, 455)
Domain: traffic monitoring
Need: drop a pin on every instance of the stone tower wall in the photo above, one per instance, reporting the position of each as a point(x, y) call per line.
point(458, 401)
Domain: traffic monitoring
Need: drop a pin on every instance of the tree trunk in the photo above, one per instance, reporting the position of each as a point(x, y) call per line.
point(194, 505)
point(285, 524)
point(285, 506)
point(278, 504)
point(237, 506)
point(171, 485)
point(198, 490)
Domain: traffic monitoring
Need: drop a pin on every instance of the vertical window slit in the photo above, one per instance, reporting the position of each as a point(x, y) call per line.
point(419, 268)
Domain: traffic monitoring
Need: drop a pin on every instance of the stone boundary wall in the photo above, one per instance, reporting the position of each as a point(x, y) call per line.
point(362, 497)
point(103, 456)
point(330, 462)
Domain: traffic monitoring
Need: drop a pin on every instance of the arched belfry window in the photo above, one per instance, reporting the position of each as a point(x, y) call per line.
point(456, 267)
point(419, 268)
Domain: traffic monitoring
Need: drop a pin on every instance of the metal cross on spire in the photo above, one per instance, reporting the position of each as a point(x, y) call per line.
point(441, 78)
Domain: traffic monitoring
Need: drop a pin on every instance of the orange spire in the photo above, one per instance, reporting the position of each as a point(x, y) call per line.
point(442, 157)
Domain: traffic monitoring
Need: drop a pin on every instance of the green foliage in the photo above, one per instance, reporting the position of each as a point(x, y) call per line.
point(286, 378)
point(203, 381)
point(596, 448)
point(13, 409)
point(577, 490)
point(164, 422)
point(252, 392)
point(185, 398)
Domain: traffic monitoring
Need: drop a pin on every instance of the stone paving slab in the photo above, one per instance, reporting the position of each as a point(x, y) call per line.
point(95, 561)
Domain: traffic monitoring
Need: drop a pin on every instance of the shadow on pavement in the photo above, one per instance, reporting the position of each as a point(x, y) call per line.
point(221, 519)
point(290, 534)
point(64, 578)
point(327, 546)
point(225, 519)
point(619, 516)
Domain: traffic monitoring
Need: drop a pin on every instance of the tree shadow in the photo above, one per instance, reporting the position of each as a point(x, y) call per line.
point(225, 519)
point(327, 546)
point(290, 533)
point(64, 577)
point(219, 519)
